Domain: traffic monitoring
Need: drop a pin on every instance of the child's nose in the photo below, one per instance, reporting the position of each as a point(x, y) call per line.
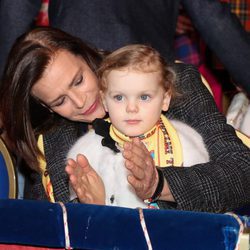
point(132, 107)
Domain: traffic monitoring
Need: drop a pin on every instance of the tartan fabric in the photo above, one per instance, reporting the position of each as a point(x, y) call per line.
point(187, 49)
point(219, 185)
point(241, 8)
point(187, 45)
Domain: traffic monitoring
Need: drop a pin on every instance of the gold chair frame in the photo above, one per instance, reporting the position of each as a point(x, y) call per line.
point(10, 170)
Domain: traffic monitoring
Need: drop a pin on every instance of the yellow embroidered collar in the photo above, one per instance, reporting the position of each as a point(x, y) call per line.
point(162, 141)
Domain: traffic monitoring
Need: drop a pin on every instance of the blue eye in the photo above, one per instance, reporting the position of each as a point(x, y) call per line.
point(118, 97)
point(145, 97)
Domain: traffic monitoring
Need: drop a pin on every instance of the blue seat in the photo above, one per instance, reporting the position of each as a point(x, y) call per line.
point(8, 185)
point(40, 223)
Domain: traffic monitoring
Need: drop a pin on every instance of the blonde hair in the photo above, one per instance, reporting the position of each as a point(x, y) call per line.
point(137, 57)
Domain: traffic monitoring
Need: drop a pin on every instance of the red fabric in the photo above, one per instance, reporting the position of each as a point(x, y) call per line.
point(187, 49)
point(23, 247)
point(43, 18)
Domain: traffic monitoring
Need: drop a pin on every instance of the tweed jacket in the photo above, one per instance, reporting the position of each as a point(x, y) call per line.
point(220, 185)
point(113, 24)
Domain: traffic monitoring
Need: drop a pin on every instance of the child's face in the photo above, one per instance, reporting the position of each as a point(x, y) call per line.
point(134, 100)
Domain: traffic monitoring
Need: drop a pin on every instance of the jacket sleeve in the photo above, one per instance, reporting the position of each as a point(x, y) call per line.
point(16, 17)
point(224, 34)
point(222, 184)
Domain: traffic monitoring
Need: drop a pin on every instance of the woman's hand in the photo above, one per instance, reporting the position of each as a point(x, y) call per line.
point(144, 177)
point(84, 180)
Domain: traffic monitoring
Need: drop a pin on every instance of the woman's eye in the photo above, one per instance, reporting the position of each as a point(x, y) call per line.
point(79, 81)
point(118, 97)
point(145, 97)
point(59, 103)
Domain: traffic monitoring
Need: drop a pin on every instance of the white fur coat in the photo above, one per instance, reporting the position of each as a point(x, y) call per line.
point(110, 165)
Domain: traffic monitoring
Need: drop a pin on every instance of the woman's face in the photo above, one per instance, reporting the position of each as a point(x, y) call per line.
point(70, 88)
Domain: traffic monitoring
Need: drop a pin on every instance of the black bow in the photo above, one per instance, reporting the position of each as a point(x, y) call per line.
point(101, 128)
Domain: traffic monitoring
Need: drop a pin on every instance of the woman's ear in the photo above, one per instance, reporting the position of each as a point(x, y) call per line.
point(103, 100)
point(166, 101)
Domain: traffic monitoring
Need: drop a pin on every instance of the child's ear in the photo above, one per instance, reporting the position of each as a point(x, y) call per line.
point(166, 101)
point(104, 101)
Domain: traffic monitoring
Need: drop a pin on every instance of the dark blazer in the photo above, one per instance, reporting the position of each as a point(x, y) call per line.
point(110, 24)
point(219, 185)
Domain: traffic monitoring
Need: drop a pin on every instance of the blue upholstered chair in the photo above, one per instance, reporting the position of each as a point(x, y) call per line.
point(84, 226)
point(8, 187)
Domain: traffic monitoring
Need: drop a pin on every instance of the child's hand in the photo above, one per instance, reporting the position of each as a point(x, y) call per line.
point(84, 180)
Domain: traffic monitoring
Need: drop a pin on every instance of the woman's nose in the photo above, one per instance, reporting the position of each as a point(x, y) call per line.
point(132, 107)
point(78, 99)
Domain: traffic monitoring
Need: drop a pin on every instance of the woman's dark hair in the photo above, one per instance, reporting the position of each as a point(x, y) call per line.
point(28, 59)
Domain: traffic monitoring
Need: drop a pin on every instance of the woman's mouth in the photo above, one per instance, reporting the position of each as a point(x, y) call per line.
point(92, 108)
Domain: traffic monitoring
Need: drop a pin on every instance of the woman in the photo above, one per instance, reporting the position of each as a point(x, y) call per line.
point(49, 67)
